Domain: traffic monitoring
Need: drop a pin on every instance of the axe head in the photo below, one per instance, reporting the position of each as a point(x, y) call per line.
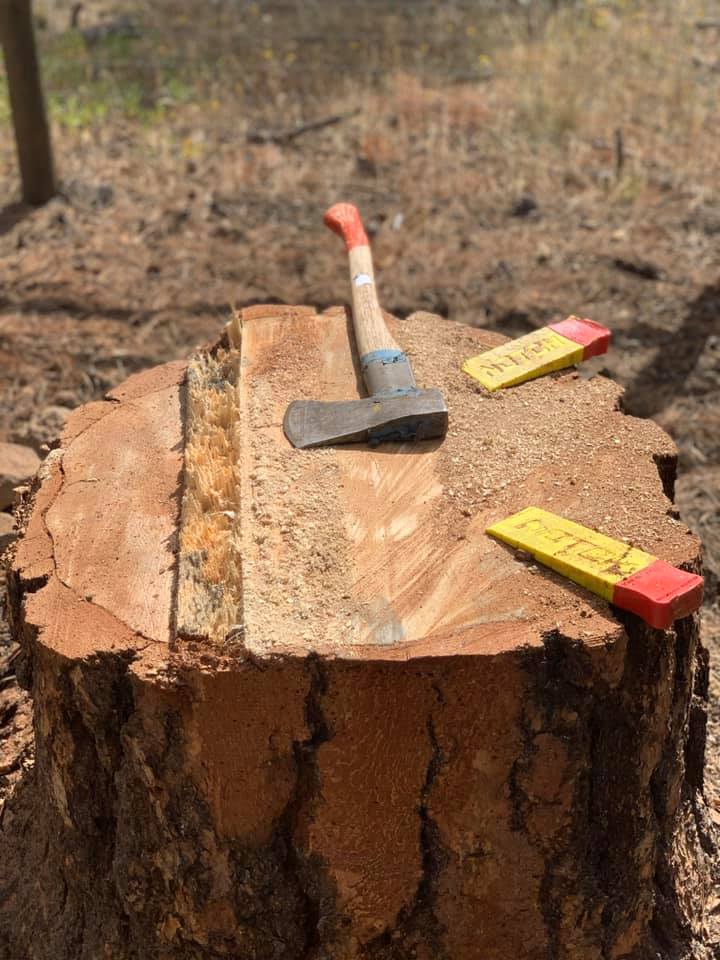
point(415, 414)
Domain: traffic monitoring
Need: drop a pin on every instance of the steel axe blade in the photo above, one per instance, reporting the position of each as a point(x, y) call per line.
point(316, 423)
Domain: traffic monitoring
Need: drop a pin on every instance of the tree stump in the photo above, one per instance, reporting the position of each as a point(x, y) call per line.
point(298, 705)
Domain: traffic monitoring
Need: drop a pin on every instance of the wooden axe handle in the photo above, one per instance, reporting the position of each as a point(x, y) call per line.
point(371, 334)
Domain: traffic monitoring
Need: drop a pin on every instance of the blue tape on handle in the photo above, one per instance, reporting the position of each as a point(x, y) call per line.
point(381, 356)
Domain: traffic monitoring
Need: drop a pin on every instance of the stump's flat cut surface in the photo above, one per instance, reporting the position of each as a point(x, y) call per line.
point(353, 551)
point(412, 744)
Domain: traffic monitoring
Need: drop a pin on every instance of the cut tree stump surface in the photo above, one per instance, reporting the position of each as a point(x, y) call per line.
point(418, 745)
point(352, 551)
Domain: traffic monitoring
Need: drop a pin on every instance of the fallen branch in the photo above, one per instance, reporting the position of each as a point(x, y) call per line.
point(641, 268)
point(287, 136)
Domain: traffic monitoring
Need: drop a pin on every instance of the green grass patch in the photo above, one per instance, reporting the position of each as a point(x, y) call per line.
point(119, 76)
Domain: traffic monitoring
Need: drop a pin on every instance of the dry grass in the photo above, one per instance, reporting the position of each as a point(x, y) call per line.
point(539, 113)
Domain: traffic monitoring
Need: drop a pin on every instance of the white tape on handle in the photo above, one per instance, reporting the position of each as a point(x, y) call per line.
point(362, 279)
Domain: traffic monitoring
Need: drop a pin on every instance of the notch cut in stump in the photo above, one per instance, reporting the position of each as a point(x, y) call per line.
point(343, 722)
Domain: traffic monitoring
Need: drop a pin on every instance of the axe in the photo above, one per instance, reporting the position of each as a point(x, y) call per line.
point(396, 409)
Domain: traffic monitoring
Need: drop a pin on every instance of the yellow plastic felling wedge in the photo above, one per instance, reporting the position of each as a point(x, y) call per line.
point(583, 555)
point(533, 355)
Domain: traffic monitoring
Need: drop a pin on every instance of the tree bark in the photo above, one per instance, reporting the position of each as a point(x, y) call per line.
point(32, 134)
point(449, 753)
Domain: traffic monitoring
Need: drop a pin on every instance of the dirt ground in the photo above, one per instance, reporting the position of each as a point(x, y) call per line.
point(511, 171)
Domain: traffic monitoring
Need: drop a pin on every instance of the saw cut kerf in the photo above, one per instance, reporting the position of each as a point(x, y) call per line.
point(209, 576)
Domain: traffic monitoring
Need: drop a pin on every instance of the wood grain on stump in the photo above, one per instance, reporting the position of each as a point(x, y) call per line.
point(395, 738)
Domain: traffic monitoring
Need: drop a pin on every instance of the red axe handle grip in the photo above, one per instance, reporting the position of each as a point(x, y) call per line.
point(371, 334)
point(344, 219)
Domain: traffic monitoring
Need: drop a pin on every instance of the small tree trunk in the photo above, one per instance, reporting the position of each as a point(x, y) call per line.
point(32, 134)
